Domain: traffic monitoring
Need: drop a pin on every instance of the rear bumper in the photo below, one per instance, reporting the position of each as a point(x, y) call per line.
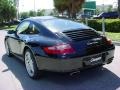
point(63, 65)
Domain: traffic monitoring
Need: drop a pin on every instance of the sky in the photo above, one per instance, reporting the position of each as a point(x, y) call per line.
point(26, 5)
point(99, 2)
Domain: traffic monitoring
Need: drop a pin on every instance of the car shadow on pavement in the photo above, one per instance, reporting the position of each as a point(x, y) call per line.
point(92, 79)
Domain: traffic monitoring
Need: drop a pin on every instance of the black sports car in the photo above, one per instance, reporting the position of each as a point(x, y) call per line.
point(50, 43)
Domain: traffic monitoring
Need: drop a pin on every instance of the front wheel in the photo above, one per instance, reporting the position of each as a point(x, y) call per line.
point(31, 65)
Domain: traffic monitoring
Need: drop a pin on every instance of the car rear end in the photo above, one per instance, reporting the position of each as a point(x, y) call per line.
point(88, 42)
point(80, 48)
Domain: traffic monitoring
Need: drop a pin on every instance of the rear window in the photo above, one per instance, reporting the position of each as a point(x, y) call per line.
point(60, 25)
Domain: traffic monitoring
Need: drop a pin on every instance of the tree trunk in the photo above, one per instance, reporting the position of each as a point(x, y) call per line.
point(73, 10)
point(68, 13)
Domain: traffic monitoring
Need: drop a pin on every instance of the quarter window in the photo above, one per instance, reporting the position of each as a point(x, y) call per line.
point(27, 28)
point(33, 29)
point(23, 28)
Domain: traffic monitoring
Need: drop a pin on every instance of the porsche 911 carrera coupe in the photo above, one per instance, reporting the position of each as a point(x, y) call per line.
point(53, 44)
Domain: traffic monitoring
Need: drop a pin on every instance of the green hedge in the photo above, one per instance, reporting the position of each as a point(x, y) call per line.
point(111, 25)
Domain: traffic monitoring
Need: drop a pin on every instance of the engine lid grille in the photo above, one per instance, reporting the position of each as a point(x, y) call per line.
point(78, 35)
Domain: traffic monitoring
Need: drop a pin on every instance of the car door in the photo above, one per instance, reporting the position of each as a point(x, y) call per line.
point(16, 41)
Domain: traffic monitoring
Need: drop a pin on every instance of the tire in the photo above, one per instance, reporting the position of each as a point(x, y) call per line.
point(31, 65)
point(7, 49)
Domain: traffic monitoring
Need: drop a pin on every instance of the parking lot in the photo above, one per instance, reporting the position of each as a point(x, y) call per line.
point(13, 76)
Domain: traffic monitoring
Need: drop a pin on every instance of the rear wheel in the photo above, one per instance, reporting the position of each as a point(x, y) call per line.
point(7, 49)
point(31, 65)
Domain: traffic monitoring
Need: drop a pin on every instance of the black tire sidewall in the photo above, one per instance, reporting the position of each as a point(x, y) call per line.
point(36, 71)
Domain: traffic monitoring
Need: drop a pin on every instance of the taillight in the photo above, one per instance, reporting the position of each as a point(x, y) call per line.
point(59, 49)
point(109, 41)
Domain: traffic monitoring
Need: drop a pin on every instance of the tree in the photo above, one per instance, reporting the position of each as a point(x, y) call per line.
point(31, 13)
point(61, 5)
point(119, 8)
point(55, 12)
point(1, 9)
point(24, 15)
point(98, 11)
point(7, 10)
point(40, 12)
point(110, 8)
point(70, 6)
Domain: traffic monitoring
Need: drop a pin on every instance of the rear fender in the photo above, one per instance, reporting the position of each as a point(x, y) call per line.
point(36, 50)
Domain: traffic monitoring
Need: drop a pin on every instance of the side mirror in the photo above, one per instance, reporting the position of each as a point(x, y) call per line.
point(11, 32)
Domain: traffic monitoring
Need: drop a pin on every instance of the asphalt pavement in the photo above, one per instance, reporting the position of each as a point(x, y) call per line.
point(13, 76)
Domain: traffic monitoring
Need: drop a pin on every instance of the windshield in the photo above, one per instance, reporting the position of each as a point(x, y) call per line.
point(60, 25)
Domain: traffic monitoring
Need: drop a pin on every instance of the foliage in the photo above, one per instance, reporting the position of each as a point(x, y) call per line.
point(13, 27)
point(32, 13)
point(40, 12)
point(24, 15)
point(110, 8)
point(98, 11)
point(111, 25)
point(55, 12)
point(7, 11)
point(69, 6)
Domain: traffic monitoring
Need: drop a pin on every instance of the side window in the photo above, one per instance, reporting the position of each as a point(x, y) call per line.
point(23, 28)
point(33, 29)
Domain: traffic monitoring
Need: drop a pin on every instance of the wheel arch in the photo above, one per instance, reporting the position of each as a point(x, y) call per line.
point(25, 48)
point(36, 50)
point(30, 48)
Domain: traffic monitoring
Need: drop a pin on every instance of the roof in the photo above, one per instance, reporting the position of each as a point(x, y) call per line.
point(41, 18)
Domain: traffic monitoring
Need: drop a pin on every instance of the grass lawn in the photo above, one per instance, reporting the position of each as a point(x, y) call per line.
point(113, 36)
point(8, 28)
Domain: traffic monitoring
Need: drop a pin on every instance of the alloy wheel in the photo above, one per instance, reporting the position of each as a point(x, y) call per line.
point(29, 64)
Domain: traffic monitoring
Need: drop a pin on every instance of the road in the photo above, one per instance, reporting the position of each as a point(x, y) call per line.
point(13, 76)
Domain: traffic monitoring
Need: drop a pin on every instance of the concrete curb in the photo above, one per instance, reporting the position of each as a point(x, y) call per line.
point(116, 43)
